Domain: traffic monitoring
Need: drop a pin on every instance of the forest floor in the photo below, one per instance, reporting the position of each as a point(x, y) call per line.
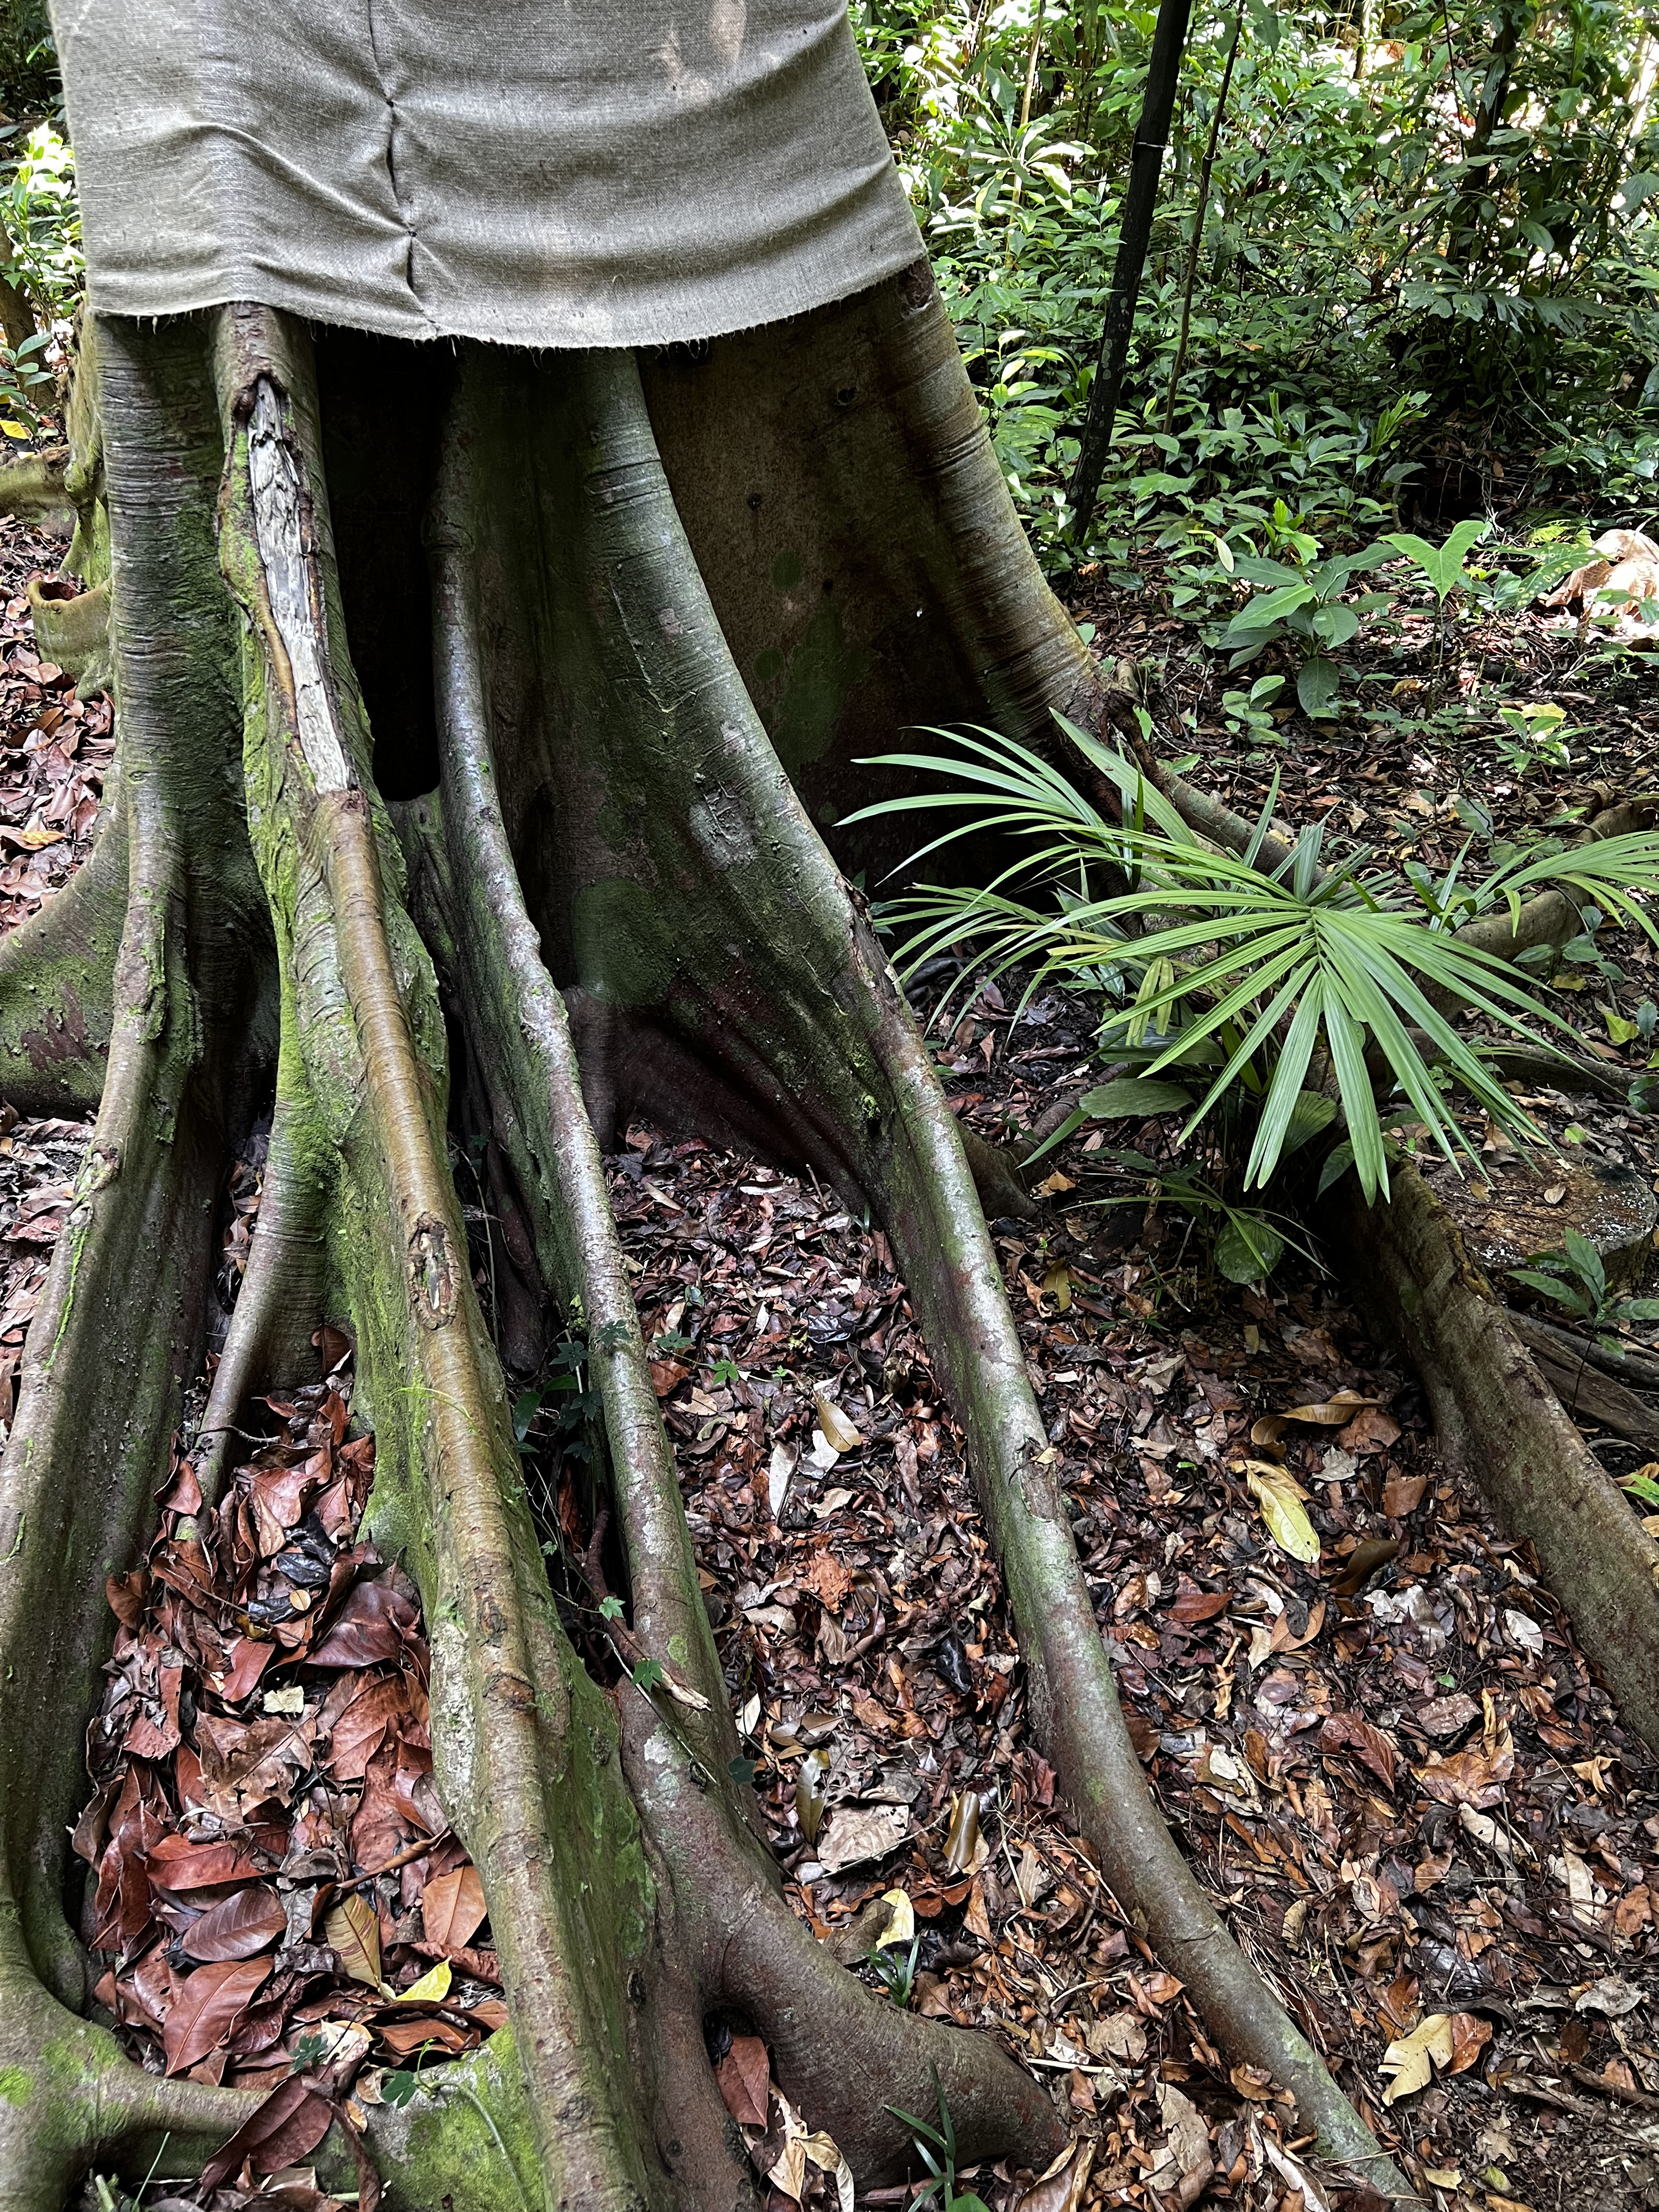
point(1392, 1770)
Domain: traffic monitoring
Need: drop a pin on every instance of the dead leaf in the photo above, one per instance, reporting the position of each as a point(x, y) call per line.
point(855, 1835)
point(839, 1432)
point(239, 1926)
point(1470, 2036)
point(290, 2122)
point(209, 2004)
point(1409, 2063)
point(432, 1988)
point(352, 1931)
point(1280, 1496)
point(1328, 1413)
point(453, 1908)
point(780, 1469)
point(1403, 1494)
point(903, 1924)
point(745, 2077)
point(1368, 1744)
point(1061, 2187)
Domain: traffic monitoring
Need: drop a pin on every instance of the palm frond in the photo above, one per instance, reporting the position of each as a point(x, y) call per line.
point(1262, 974)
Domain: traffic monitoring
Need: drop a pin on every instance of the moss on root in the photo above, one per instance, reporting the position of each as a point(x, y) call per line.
point(614, 821)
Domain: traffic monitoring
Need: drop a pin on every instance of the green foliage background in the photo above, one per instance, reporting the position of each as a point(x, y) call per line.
point(1404, 232)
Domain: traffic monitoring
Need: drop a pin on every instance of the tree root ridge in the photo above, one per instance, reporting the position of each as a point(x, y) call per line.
point(614, 832)
point(1495, 1411)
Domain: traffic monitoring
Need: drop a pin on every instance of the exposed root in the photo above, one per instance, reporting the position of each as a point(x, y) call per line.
point(281, 1293)
point(734, 1941)
point(33, 486)
point(1497, 1412)
point(57, 980)
point(729, 1016)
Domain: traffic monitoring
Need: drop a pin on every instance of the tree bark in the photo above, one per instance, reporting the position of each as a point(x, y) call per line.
point(617, 897)
point(1140, 202)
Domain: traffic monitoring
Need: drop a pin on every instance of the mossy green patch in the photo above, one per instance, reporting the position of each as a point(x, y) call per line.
point(822, 669)
point(17, 2085)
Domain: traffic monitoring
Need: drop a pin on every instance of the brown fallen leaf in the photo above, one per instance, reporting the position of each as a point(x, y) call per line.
point(175, 1864)
point(1470, 2036)
point(1368, 1744)
point(745, 2076)
point(352, 1932)
point(292, 2121)
point(1409, 2063)
point(1061, 2187)
point(453, 1908)
point(239, 1926)
point(1403, 1494)
point(1328, 1413)
point(1363, 1562)
point(209, 2004)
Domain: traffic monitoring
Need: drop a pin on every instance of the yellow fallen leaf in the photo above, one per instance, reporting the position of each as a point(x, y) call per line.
point(1410, 2062)
point(432, 1988)
point(1280, 1496)
point(1057, 1285)
point(839, 1432)
point(352, 1932)
point(902, 1925)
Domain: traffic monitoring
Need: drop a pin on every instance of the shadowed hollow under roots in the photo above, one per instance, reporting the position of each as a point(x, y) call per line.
point(574, 851)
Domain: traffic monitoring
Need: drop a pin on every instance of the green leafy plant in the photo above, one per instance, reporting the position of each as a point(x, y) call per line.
point(1538, 733)
point(896, 1970)
point(1575, 1279)
point(1442, 566)
point(937, 2149)
point(1308, 976)
point(1309, 605)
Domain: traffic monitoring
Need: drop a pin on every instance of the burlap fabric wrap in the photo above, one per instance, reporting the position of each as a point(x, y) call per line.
point(537, 172)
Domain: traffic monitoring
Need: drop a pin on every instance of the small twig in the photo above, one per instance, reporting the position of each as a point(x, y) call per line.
point(407, 1857)
point(1616, 2090)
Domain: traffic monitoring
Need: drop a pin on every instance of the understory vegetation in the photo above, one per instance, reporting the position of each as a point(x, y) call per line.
point(1086, 1560)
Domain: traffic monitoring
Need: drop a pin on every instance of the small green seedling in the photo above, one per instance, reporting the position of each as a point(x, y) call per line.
point(1576, 1281)
point(938, 2148)
point(1442, 565)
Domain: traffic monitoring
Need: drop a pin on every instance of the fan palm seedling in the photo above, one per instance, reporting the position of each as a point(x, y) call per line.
point(1326, 975)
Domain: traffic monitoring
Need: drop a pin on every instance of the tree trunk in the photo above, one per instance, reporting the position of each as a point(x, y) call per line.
point(594, 872)
point(1139, 203)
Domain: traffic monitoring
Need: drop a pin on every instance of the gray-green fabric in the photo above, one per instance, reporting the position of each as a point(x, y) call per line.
point(535, 173)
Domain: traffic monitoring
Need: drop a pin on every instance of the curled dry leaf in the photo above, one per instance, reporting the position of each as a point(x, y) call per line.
point(352, 1931)
point(291, 2122)
point(838, 1430)
point(961, 1838)
point(781, 1467)
point(1060, 2187)
point(1333, 1412)
point(902, 1926)
point(810, 1779)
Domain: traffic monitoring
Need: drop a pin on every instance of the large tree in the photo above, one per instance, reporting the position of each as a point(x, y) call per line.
point(483, 710)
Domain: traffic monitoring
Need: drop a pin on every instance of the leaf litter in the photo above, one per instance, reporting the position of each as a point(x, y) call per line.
point(274, 1895)
point(1388, 1762)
